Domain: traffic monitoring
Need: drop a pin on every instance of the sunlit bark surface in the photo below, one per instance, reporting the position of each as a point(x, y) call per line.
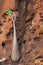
point(29, 28)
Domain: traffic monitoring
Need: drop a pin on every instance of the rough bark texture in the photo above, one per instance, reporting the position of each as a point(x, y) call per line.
point(29, 27)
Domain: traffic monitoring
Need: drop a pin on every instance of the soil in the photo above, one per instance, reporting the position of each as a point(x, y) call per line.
point(29, 27)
